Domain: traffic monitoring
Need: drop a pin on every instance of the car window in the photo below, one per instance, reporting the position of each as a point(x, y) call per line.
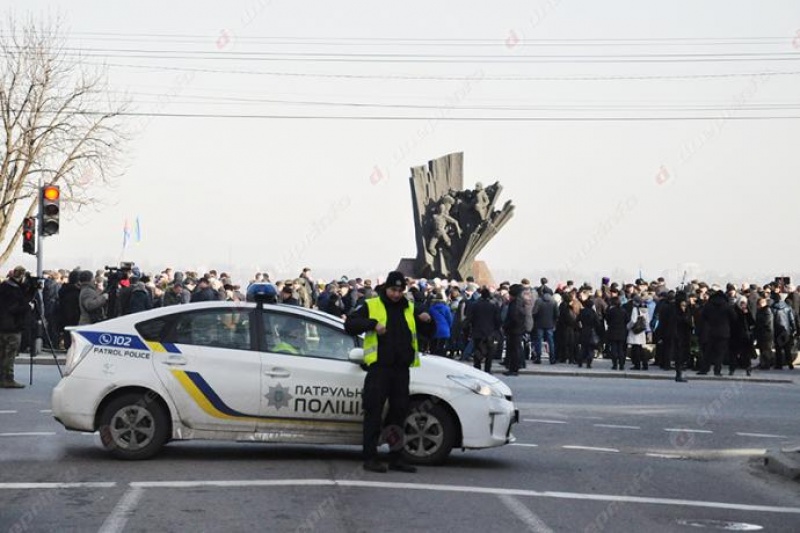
point(222, 328)
point(291, 334)
point(153, 330)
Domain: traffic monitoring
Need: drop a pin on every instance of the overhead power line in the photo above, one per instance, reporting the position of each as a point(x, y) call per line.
point(390, 58)
point(440, 117)
point(649, 107)
point(490, 40)
point(473, 77)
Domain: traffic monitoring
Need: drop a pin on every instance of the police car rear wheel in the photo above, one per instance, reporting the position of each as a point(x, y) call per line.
point(430, 434)
point(133, 428)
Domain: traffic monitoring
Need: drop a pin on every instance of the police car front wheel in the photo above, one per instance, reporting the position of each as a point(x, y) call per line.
point(133, 428)
point(430, 433)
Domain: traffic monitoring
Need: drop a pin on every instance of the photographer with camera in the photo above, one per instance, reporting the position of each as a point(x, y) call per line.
point(14, 311)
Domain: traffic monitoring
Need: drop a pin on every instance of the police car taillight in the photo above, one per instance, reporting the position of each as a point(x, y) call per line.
point(77, 351)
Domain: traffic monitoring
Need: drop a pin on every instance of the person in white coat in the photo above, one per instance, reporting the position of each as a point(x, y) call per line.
point(638, 328)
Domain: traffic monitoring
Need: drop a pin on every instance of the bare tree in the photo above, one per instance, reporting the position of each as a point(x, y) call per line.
point(60, 125)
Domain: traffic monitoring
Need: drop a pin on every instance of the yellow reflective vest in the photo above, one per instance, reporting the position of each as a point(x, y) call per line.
point(285, 347)
point(377, 311)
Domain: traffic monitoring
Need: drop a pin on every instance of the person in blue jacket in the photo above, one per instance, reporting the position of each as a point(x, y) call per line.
point(443, 318)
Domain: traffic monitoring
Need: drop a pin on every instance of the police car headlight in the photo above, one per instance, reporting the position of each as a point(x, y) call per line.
point(476, 385)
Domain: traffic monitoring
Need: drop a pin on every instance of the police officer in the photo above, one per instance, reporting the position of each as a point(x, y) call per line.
point(390, 348)
point(14, 310)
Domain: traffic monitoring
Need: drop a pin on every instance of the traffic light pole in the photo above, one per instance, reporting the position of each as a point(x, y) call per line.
point(39, 225)
point(36, 334)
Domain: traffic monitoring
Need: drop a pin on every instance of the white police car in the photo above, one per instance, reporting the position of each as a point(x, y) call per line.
point(263, 373)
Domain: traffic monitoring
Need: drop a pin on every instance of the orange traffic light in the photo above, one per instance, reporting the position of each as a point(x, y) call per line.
point(51, 209)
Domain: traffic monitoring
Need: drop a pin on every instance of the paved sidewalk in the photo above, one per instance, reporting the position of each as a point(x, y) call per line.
point(601, 368)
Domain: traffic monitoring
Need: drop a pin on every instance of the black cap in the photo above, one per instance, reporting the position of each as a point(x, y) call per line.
point(395, 279)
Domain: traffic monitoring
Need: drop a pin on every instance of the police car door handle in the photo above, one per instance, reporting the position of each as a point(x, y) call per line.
point(174, 360)
point(277, 373)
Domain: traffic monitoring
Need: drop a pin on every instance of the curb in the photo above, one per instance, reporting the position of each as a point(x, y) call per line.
point(670, 376)
point(41, 360)
point(784, 462)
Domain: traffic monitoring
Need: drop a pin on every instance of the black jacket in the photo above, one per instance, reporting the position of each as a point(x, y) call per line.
point(617, 320)
point(394, 346)
point(590, 321)
point(205, 295)
point(14, 308)
point(718, 317)
point(545, 312)
point(69, 310)
point(515, 317)
point(566, 318)
point(765, 329)
point(667, 320)
point(742, 334)
point(483, 319)
point(140, 299)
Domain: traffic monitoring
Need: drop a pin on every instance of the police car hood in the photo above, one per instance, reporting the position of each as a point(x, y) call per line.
point(444, 366)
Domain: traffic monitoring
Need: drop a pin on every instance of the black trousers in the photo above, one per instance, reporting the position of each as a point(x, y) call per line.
point(639, 357)
point(380, 385)
point(617, 350)
point(513, 349)
point(483, 354)
point(783, 354)
point(717, 352)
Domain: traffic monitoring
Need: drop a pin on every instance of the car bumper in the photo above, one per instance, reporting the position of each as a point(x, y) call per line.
point(74, 401)
point(492, 427)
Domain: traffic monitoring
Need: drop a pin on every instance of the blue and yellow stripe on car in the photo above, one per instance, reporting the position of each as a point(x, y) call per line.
point(210, 402)
point(205, 397)
point(162, 347)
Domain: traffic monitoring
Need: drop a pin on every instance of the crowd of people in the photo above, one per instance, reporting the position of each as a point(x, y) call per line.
point(694, 326)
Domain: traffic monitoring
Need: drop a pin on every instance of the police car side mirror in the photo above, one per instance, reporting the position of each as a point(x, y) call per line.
point(356, 355)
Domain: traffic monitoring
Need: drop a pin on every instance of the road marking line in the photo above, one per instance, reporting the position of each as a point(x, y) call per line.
point(762, 435)
point(541, 421)
point(688, 430)
point(664, 456)
point(522, 512)
point(45, 410)
point(468, 490)
point(234, 483)
point(591, 449)
point(122, 512)
point(29, 434)
point(614, 426)
point(8, 412)
point(87, 485)
point(525, 445)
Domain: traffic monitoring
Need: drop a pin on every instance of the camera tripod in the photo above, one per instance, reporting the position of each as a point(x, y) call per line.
point(39, 326)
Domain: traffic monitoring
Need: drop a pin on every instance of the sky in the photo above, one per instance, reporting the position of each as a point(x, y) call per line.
point(704, 192)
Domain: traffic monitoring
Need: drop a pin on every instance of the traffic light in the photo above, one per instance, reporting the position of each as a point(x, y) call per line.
point(51, 209)
point(29, 235)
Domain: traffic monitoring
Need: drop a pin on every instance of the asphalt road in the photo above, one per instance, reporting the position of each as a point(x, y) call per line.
point(591, 455)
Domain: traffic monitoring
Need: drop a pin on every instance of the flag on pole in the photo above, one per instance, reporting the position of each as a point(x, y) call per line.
point(126, 234)
point(138, 231)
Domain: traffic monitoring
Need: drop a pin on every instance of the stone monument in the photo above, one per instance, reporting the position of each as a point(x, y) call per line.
point(452, 225)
